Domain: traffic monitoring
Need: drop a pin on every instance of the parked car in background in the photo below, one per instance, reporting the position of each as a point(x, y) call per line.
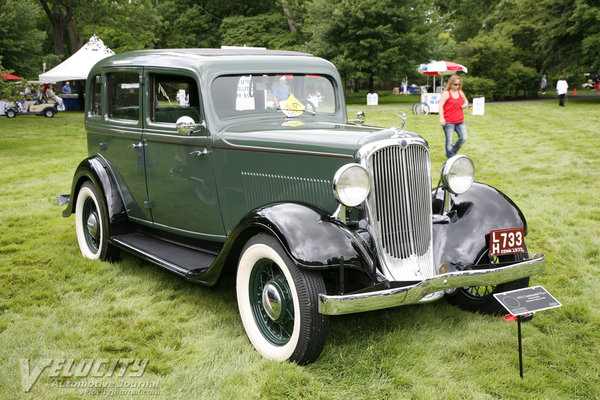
point(204, 161)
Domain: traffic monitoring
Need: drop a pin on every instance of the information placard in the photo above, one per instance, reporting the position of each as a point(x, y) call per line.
point(528, 300)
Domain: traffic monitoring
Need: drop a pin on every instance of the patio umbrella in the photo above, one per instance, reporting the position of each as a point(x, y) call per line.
point(441, 68)
point(8, 76)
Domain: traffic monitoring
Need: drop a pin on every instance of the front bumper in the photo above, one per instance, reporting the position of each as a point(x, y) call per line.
point(412, 294)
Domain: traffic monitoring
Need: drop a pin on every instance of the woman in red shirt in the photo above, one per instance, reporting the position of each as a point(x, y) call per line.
point(452, 118)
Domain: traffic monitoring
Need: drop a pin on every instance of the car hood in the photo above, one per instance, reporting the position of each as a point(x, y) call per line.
point(307, 137)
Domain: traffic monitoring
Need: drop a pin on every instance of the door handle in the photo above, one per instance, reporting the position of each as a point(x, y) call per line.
point(137, 145)
point(200, 153)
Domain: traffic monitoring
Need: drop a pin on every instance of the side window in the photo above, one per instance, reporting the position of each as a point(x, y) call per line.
point(174, 96)
point(124, 95)
point(96, 97)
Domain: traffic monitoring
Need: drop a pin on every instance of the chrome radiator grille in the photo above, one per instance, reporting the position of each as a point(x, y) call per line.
point(400, 202)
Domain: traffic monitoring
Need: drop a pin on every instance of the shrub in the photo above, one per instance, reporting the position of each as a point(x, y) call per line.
point(476, 86)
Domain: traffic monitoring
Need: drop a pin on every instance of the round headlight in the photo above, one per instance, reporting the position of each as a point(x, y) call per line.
point(458, 173)
point(351, 185)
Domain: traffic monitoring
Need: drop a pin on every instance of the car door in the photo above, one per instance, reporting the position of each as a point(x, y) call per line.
point(179, 171)
point(114, 127)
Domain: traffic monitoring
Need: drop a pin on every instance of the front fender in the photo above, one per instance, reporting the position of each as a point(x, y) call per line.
point(460, 236)
point(96, 169)
point(310, 236)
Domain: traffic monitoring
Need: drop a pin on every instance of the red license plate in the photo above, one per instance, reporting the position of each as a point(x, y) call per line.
point(507, 241)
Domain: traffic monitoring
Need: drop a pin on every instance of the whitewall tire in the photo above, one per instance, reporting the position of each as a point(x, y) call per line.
point(278, 303)
point(91, 225)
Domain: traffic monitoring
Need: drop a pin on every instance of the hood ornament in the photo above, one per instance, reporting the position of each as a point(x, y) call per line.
point(399, 130)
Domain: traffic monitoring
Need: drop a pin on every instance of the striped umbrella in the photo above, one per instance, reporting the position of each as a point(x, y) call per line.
point(441, 68)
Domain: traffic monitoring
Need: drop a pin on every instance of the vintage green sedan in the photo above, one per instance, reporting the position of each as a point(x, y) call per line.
point(208, 160)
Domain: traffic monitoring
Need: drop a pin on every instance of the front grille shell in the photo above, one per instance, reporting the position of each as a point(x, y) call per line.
point(399, 206)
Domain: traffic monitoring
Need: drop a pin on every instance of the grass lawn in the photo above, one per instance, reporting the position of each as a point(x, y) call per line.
point(55, 304)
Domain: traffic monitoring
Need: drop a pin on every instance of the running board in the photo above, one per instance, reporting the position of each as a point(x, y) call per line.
point(182, 260)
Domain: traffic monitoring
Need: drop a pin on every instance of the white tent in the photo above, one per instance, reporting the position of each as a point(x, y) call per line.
point(79, 64)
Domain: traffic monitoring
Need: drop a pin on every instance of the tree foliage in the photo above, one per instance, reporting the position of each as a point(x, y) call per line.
point(369, 39)
point(464, 18)
point(585, 27)
point(124, 24)
point(506, 44)
point(62, 16)
point(20, 40)
point(9, 90)
point(521, 39)
point(200, 23)
point(264, 30)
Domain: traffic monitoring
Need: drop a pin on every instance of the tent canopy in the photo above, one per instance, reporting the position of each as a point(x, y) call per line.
point(10, 77)
point(79, 64)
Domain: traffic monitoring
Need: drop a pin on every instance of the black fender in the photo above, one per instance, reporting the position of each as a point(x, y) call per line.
point(96, 169)
point(460, 236)
point(310, 236)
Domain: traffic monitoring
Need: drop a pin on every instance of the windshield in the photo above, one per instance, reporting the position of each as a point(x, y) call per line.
point(290, 94)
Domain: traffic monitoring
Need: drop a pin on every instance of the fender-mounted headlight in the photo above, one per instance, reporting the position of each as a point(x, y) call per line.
point(351, 185)
point(457, 174)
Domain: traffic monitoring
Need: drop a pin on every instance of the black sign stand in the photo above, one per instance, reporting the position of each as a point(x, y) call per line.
point(522, 302)
point(519, 318)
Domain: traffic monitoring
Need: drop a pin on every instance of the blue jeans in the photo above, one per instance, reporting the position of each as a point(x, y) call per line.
point(461, 130)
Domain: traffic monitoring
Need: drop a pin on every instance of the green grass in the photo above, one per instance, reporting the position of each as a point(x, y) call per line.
point(54, 303)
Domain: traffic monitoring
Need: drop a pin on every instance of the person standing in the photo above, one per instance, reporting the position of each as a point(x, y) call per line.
point(405, 86)
point(544, 84)
point(282, 92)
point(561, 88)
point(66, 89)
point(452, 118)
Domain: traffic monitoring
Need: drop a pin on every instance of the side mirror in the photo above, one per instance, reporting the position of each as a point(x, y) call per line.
point(359, 119)
point(186, 125)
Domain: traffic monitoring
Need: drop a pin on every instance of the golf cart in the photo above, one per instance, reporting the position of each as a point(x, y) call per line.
point(47, 108)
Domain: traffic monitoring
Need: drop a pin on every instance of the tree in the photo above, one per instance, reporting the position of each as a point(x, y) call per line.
point(493, 57)
point(61, 14)
point(370, 39)
point(187, 23)
point(124, 25)
point(20, 40)
point(265, 30)
point(464, 18)
point(9, 90)
point(585, 26)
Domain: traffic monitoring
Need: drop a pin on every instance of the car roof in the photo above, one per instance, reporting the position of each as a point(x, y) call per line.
point(211, 62)
point(229, 51)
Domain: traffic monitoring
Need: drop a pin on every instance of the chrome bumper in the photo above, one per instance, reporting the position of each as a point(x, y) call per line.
point(359, 302)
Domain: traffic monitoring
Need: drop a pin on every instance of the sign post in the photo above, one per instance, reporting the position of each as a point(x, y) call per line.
point(521, 302)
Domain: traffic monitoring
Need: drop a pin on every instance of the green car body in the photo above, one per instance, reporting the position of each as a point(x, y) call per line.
point(203, 160)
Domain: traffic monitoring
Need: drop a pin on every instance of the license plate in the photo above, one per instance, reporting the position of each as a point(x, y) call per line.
point(507, 241)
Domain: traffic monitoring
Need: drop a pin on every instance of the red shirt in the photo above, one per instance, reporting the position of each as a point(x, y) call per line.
point(453, 113)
